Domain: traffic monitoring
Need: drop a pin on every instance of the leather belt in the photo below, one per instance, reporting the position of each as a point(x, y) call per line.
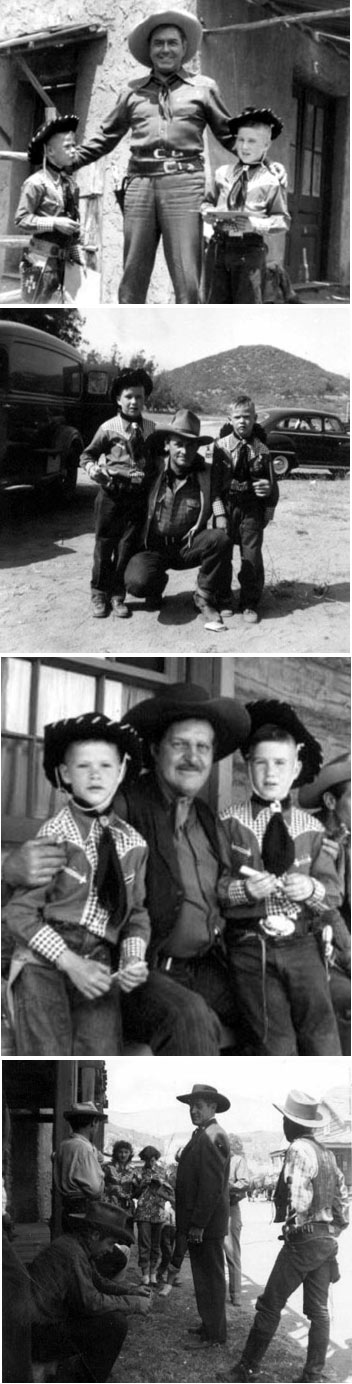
point(249, 238)
point(154, 162)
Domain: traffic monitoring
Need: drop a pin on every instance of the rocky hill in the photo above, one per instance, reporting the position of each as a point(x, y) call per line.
point(269, 375)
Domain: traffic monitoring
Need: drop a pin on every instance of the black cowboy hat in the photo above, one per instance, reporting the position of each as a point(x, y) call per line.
point(58, 735)
point(139, 39)
point(252, 115)
point(184, 424)
point(102, 1216)
point(56, 125)
point(337, 771)
point(207, 1093)
point(149, 1152)
point(128, 378)
point(268, 713)
point(180, 702)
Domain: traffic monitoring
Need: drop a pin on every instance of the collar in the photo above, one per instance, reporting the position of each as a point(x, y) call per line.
point(128, 421)
point(259, 803)
point(170, 799)
point(52, 167)
point(93, 812)
point(181, 76)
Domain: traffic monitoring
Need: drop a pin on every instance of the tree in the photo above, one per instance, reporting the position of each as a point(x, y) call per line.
point(65, 323)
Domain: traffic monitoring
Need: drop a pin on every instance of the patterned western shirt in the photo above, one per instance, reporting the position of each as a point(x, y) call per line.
point(301, 1168)
point(244, 826)
point(112, 440)
point(266, 199)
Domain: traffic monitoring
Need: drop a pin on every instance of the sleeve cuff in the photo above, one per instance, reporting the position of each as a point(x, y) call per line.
point(47, 942)
point(132, 949)
point(237, 892)
point(316, 899)
point(218, 508)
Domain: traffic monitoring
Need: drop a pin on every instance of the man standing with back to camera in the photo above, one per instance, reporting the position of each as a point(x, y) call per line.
point(167, 112)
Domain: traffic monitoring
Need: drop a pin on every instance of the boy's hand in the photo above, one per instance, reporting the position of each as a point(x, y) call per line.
point(33, 864)
point(65, 225)
point(133, 974)
point(261, 488)
point(297, 887)
point(242, 221)
point(90, 977)
point(260, 886)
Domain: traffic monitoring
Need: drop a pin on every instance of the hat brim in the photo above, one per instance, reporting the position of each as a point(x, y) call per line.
point(229, 720)
point(281, 714)
point(128, 378)
point(58, 737)
point(178, 432)
point(59, 126)
point(330, 775)
point(274, 124)
point(139, 39)
point(124, 1237)
point(222, 1103)
point(297, 1119)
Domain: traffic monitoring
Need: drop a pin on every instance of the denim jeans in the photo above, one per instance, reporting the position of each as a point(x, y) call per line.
point(163, 208)
point(306, 1259)
point(52, 1016)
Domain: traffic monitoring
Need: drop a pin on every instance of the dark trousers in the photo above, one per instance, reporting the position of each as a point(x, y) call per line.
point(308, 1259)
point(169, 1018)
point(340, 991)
point(167, 208)
point(149, 1235)
point(209, 976)
point(51, 1015)
point(283, 997)
point(167, 1246)
point(208, 1270)
point(118, 523)
point(96, 1340)
point(234, 271)
point(210, 550)
point(247, 531)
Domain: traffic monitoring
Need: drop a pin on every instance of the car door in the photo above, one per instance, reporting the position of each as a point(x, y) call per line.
point(336, 441)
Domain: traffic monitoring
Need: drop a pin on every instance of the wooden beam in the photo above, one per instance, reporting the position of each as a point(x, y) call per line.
point(34, 81)
point(301, 18)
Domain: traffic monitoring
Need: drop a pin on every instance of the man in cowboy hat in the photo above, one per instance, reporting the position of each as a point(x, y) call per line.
point(76, 1313)
point(48, 209)
point(250, 204)
point(330, 796)
point(250, 493)
point(117, 460)
point(78, 1171)
point(184, 496)
point(311, 1198)
point(202, 1210)
point(82, 939)
point(283, 882)
point(166, 111)
point(184, 730)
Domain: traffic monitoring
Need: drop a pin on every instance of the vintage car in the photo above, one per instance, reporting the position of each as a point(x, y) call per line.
point(306, 437)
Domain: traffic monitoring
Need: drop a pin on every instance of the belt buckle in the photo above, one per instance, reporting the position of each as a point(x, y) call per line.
point(278, 926)
point(158, 153)
point(170, 165)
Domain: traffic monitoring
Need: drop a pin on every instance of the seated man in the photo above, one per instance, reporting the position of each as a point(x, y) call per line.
point(74, 1312)
point(184, 496)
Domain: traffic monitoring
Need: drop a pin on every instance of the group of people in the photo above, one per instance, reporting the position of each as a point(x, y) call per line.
point(164, 194)
point(138, 918)
point(74, 1314)
point(162, 505)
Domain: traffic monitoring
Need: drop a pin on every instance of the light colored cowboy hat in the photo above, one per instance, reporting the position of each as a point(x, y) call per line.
point(183, 424)
point(267, 713)
point(182, 702)
point(207, 1093)
point(139, 39)
point(84, 1109)
point(300, 1108)
point(337, 771)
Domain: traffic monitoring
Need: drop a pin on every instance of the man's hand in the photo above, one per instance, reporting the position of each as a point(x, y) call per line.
point(135, 973)
point(195, 1235)
point(298, 887)
point(66, 225)
point(261, 488)
point(34, 863)
point(259, 886)
point(90, 977)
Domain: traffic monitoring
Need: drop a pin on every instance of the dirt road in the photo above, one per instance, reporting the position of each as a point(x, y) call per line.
point(45, 575)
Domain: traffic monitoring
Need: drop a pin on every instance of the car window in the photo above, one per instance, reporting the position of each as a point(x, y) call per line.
point(316, 424)
point(38, 370)
point(332, 425)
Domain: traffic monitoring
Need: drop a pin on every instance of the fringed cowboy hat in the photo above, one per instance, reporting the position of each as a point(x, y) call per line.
point(183, 424)
point(300, 1108)
point(128, 378)
point(267, 714)
point(56, 125)
point(337, 771)
point(58, 735)
point(83, 1110)
point(139, 39)
point(181, 702)
point(253, 115)
point(207, 1093)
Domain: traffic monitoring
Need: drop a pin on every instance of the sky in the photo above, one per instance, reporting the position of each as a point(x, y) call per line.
point(142, 1091)
point(175, 335)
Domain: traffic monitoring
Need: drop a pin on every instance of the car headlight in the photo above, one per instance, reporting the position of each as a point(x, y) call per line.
point(281, 466)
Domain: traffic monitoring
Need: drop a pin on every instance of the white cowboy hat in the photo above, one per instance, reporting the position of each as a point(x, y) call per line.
point(139, 39)
point(300, 1108)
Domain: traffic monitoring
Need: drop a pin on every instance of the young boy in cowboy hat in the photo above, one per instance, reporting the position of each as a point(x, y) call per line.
point(65, 995)
point(283, 882)
point(202, 1210)
point(311, 1198)
point(250, 204)
point(330, 797)
point(117, 460)
point(48, 208)
point(184, 497)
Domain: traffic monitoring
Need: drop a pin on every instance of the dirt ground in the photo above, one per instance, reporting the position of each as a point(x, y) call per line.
point(45, 574)
point(156, 1345)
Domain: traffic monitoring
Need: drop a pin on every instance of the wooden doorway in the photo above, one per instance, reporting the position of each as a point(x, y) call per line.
point(310, 184)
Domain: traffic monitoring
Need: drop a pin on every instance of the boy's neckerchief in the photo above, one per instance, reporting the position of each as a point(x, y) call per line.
point(278, 851)
point(108, 880)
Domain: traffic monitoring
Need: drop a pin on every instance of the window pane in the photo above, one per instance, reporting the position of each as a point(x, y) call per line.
point(316, 180)
point(307, 169)
point(63, 693)
point(38, 370)
point(16, 680)
point(113, 699)
point(319, 126)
